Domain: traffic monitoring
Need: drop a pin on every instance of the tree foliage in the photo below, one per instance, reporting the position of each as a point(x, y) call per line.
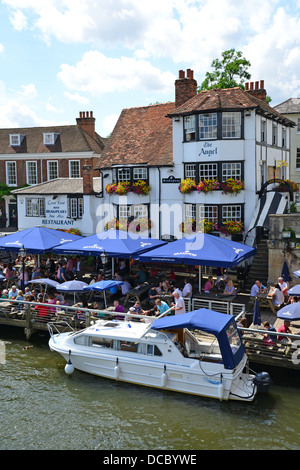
point(231, 71)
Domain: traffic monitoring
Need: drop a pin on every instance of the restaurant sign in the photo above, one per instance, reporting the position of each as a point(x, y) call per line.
point(56, 214)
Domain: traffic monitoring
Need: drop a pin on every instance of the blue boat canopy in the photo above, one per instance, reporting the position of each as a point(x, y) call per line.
point(221, 325)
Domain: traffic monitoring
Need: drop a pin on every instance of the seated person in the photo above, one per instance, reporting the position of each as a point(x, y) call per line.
point(256, 289)
point(229, 288)
point(283, 286)
point(166, 286)
point(269, 340)
point(161, 306)
point(187, 291)
point(284, 328)
point(125, 287)
point(277, 296)
point(152, 295)
point(118, 308)
point(209, 285)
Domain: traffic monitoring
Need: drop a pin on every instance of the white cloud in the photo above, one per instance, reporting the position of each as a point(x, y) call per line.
point(14, 114)
point(28, 91)
point(1, 48)
point(109, 123)
point(77, 98)
point(18, 20)
point(98, 74)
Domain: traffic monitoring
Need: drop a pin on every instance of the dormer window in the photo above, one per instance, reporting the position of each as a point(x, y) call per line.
point(50, 138)
point(15, 140)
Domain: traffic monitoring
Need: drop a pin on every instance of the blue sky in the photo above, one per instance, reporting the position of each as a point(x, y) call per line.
point(60, 57)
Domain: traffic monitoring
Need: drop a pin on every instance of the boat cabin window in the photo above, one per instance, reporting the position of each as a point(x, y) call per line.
point(101, 342)
point(152, 350)
point(128, 346)
point(82, 340)
point(233, 337)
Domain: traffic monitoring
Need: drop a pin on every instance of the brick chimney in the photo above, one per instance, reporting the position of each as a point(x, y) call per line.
point(185, 87)
point(257, 89)
point(87, 122)
point(87, 177)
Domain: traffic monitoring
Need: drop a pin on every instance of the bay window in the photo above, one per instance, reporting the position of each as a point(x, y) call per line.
point(231, 125)
point(208, 126)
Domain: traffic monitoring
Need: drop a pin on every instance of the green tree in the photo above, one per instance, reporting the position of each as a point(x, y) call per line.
point(230, 71)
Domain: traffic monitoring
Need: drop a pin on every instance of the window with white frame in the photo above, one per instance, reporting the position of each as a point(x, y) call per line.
point(49, 138)
point(35, 207)
point(140, 211)
point(209, 213)
point(298, 159)
point(189, 123)
point(231, 125)
point(231, 170)
point(124, 211)
point(274, 134)
point(31, 172)
point(208, 171)
point(140, 173)
point(190, 171)
point(231, 213)
point(52, 169)
point(74, 168)
point(190, 211)
point(15, 140)
point(208, 126)
point(75, 207)
point(284, 137)
point(124, 174)
point(298, 125)
point(263, 131)
point(11, 173)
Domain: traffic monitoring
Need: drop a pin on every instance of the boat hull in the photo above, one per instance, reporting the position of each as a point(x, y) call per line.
point(192, 378)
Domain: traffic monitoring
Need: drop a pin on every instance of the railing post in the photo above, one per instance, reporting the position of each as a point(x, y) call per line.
point(28, 329)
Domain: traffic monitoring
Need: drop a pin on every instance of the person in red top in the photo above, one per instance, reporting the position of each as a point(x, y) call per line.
point(284, 328)
point(43, 311)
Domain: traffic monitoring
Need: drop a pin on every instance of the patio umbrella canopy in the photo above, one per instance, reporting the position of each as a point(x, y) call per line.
point(103, 285)
point(201, 249)
point(48, 282)
point(294, 291)
point(290, 312)
point(36, 240)
point(115, 243)
point(71, 286)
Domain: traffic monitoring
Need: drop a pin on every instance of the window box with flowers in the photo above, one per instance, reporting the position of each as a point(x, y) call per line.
point(135, 225)
point(124, 187)
point(284, 186)
point(187, 186)
point(190, 226)
point(232, 186)
point(208, 185)
point(234, 228)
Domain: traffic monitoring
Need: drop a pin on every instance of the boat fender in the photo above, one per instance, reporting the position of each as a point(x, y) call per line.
point(221, 389)
point(69, 368)
point(117, 369)
point(164, 377)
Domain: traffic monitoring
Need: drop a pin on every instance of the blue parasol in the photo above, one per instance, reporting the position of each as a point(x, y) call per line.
point(290, 312)
point(36, 240)
point(256, 316)
point(294, 290)
point(103, 286)
point(285, 273)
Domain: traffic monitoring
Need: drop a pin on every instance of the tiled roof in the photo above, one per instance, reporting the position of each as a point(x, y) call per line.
point(225, 99)
point(70, 139)
point(58, 186)
point(142, 135)
point(290, 106)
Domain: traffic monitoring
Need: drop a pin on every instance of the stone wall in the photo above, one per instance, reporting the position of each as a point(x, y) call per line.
point(284, 249)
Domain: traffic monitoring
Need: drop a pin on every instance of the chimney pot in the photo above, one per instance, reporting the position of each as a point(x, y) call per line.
point(87, 122)
point(256, 85)
point(190, 73)
point(246, 86)
point(262, 84)
point(251, 85)
point(181, 74)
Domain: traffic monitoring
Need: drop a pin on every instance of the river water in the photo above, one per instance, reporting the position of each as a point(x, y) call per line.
point(44, 409)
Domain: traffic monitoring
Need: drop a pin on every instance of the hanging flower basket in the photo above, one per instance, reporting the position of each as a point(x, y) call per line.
point(232, 186)
point(140, 187)
point(205, 226)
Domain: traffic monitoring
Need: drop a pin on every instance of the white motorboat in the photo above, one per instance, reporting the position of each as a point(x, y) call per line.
point(168, 353)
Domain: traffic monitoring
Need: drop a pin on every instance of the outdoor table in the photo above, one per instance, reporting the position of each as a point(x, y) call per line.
point(265, 300)
point(137, 292)
point(215, 296)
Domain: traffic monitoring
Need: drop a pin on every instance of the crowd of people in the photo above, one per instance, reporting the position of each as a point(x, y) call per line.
point(278, 292)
